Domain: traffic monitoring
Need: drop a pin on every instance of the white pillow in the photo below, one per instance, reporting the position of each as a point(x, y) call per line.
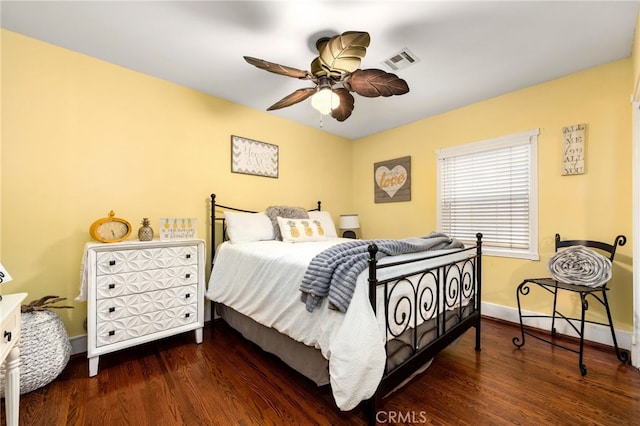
point(326, 222)
point(247, 227)
point(299, 230)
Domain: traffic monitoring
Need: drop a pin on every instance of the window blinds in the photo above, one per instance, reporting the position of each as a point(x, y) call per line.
point(487, 187)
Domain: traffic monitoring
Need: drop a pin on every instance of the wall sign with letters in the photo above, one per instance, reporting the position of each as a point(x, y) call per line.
point(392, 180)
point(573, 149)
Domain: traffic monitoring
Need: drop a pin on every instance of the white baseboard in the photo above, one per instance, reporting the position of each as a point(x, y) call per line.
point(592, 332)
point(78, 344)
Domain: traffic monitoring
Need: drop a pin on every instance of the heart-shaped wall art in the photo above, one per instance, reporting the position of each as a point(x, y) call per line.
point(390, 181)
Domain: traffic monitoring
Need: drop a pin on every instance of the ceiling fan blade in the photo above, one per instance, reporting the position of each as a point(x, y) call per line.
point(343, 111)
point(341, 53)
point(297, 96)
point(279, 69)
point(318, 69)
point(372, 83)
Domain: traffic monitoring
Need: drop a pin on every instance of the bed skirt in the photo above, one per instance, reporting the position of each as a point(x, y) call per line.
point(309, 361)
point(305, 359)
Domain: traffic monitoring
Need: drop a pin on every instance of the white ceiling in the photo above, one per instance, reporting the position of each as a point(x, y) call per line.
point(468, 51)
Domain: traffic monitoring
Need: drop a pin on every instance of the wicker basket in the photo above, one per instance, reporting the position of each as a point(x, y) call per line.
point(44, 350)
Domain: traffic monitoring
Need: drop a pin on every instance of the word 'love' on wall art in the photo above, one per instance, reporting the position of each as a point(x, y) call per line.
point(392, 180)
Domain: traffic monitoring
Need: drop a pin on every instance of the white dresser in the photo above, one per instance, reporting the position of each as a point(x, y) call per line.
point(138, 292)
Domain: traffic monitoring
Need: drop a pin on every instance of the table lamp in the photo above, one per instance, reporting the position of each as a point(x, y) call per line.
point(349, 222)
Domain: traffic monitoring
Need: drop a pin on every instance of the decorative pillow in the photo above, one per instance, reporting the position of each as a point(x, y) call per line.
point(274, 212)
point(299, 230)
point(325, 222)
point(247, 227)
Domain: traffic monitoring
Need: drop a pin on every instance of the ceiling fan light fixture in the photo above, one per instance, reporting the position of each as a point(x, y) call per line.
point(325, 100)
point(338, 63)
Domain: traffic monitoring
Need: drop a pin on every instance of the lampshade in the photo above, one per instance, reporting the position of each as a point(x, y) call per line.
point(324, 100)
point(349, 221)
point(4, 275)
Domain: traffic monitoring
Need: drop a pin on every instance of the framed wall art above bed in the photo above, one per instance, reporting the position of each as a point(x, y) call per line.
point(254, 157)
point(392, 180)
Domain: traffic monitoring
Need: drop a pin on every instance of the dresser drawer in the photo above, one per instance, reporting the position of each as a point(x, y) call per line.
point(143, 281)
point(119, 330)
point(142, 303)
point(121, 261)
point(9, 332)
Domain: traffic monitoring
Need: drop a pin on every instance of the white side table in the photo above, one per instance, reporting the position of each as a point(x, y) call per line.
point(10, 353)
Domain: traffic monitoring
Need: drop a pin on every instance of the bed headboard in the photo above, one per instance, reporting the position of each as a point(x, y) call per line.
point(214, 219)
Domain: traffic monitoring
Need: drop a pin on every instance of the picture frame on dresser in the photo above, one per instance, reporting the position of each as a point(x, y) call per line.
point(138, 292)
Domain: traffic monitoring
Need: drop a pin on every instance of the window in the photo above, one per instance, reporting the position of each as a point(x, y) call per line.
point(491, 187)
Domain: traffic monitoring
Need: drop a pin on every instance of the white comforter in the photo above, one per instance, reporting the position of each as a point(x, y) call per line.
point(262, 279)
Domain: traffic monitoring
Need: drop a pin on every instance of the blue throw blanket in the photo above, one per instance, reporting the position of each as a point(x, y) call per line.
point(333, 272)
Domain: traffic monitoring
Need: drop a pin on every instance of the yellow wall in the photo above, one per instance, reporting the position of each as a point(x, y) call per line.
point(595, 205)
point(81, 137)
point(635, 55)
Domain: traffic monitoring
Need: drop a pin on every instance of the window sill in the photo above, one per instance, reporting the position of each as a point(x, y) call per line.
point(515, 254)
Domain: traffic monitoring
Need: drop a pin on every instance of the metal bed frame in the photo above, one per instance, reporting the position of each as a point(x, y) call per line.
point(457, 279)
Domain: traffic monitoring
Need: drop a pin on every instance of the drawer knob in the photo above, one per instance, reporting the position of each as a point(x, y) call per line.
point(187, 315)
point(188, 295)
point(112, 286)
point(112, 262)
point(188, 276)
point(112, 333)
point(188, 256)
point(7, 335)
point(112, 309)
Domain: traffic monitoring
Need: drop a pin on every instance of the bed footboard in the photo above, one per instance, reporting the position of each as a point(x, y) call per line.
point(424, 311)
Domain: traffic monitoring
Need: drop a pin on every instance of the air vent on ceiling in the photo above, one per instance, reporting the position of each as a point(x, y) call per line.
point(401, 60)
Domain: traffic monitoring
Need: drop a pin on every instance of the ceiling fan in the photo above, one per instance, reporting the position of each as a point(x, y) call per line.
point(336, 73)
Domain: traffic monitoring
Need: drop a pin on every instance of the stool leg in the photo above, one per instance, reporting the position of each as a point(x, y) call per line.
point(585, 307)
point(553, 313)
point(623, 356)
point(524, 290)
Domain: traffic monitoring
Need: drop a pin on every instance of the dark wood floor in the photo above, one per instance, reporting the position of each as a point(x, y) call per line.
point(228, 381)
